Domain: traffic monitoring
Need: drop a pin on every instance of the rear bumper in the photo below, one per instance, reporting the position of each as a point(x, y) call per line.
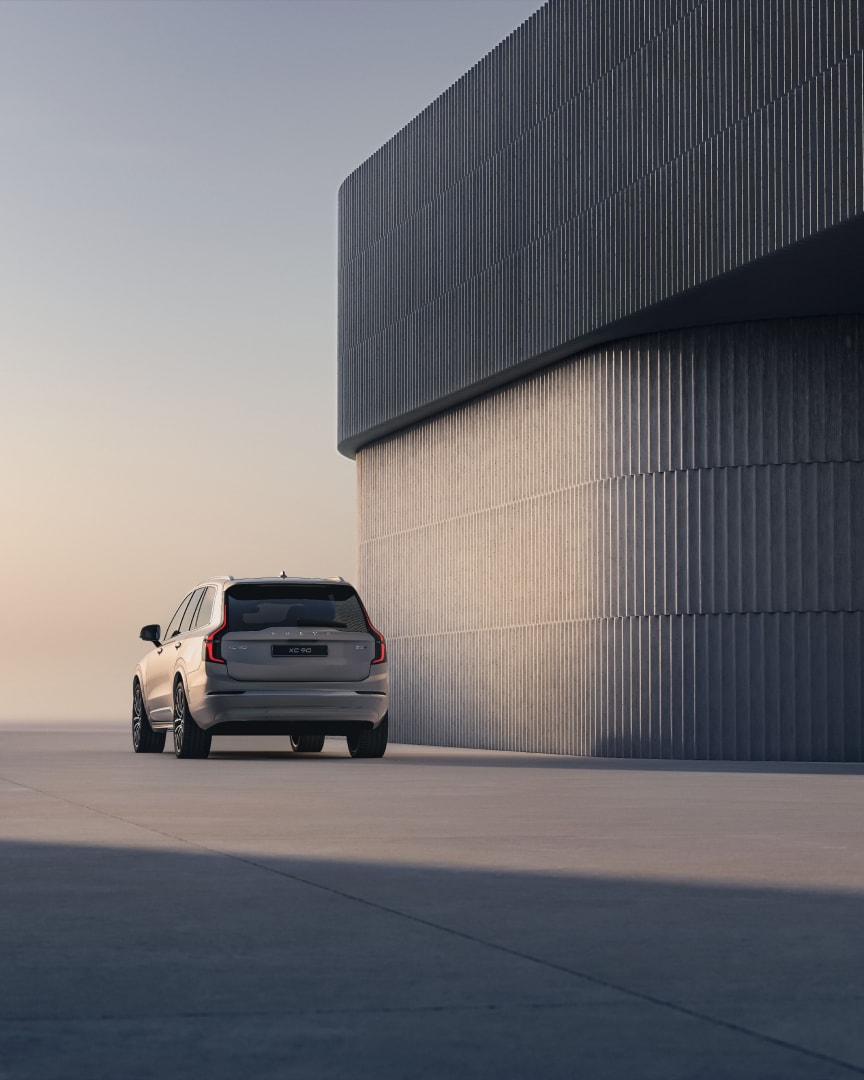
point(297, 711)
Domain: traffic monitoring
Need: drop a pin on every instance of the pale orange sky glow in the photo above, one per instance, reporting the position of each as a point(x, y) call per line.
point(167, 304)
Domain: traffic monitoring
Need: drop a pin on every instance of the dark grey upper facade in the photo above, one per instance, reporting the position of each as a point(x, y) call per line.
point(609, 169)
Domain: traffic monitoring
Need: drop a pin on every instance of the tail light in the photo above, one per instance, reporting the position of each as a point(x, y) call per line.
point(380, 643)
point(213, 642)
point(380, 646)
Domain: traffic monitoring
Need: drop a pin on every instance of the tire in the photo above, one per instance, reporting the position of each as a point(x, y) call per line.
point(369, 743)
point(144, 739)
point(189, 740)
point(307, 744)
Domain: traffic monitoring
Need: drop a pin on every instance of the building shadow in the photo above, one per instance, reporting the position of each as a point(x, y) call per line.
point(138, 962)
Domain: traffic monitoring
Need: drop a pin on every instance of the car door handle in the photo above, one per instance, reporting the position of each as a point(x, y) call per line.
point(177, 646)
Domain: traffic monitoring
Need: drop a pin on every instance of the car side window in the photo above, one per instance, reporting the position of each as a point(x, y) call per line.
point(174, 625)
point(205, 609)
point(188, 620)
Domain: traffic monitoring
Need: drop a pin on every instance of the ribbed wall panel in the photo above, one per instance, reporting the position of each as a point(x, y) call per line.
point(604, 158)
point(652, 550)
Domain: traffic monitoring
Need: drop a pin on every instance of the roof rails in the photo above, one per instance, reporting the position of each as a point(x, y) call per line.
point(282, 577)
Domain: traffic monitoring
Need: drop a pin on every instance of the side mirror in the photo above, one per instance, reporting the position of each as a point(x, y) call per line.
point(151, 633)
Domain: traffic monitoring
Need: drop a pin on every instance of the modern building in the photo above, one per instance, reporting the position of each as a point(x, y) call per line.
point(601, 364)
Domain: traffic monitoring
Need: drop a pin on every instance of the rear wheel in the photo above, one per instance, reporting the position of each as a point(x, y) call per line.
point(189, 740)
point(307, 744)
point(369, 743)
point(144, 739)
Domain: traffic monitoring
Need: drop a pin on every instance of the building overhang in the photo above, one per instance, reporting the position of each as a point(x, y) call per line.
point(822, 275)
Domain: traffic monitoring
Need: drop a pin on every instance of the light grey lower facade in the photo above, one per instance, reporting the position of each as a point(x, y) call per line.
point(655, 549)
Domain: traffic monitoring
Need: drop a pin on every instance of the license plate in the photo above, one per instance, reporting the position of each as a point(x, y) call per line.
point(298, 650)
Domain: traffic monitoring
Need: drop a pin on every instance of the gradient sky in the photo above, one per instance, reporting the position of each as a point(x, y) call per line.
point(168, 180)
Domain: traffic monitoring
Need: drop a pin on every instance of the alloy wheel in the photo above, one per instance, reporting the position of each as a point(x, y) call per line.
point(179, 716)
point(137, 715)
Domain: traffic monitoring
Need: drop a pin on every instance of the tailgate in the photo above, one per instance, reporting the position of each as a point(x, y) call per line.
point(294, 656)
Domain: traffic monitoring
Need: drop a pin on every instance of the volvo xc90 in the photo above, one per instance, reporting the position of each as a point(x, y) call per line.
point(263, 656)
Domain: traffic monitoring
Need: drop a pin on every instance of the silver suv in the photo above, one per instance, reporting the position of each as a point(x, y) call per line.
point(263, 656)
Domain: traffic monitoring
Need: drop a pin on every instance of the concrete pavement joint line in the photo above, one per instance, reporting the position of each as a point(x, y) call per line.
point(234, 1014)
point(595, 980)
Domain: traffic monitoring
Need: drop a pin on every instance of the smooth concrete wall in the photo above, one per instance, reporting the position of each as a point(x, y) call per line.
point(607, 158)
point(654, 549)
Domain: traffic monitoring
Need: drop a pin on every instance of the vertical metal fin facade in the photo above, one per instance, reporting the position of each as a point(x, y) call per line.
point(652, 550)
point(601, 343)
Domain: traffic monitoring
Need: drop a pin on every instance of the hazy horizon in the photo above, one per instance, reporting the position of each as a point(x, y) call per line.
point(168, 303)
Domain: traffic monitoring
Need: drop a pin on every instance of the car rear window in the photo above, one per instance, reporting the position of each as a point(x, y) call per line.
point(260, 607)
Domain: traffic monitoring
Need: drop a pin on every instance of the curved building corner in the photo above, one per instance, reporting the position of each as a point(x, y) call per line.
point(602, 368)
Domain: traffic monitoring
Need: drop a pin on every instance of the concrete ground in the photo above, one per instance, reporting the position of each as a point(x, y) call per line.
point(439, 913)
